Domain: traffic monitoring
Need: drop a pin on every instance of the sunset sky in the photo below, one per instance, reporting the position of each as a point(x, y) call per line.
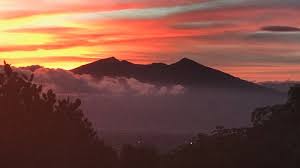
point(258, 40)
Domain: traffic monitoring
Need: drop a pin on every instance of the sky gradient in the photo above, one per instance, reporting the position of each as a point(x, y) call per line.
point(258, 40)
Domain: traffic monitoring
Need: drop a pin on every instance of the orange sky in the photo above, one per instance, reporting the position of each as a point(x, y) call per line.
point(252, 39)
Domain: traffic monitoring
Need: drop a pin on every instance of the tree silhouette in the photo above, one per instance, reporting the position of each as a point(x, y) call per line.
point(272, 142)
point(139, 156)
point(38, 130)
point(278, 129)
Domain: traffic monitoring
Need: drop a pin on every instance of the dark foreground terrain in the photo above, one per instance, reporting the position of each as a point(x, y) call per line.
point(40, 130)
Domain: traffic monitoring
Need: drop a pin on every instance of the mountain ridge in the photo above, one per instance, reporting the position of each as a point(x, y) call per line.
point(184, 72)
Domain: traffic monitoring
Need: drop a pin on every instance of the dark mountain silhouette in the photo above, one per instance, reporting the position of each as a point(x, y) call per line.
point(185, 72)
point(211, 98)
point(32, 68)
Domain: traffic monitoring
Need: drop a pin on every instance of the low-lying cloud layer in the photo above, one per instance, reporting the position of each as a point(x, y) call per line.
point(122, 104)
point(67, 83)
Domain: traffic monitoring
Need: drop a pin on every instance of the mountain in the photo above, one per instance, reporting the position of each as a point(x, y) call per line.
point(211, 98)
point(184, 72)
point(281, 86)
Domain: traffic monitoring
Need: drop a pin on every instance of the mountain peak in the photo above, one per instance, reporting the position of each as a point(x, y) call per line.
point(187, 61)
point(185, 72)
point(110, 60)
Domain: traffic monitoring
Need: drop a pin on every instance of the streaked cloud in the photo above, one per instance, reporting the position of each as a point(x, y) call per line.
point(204, 24)
point(276, 36)
point(280, 29)
point(218, 33)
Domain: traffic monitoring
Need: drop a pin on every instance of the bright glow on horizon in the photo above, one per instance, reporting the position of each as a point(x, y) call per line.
point(244, 38)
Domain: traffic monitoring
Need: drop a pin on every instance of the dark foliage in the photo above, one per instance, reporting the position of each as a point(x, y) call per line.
point(39, 131)
point(272, 142)
point(139, 157)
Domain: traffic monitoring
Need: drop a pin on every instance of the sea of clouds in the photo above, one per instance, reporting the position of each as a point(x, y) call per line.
point(127, 104)
point(66, 82)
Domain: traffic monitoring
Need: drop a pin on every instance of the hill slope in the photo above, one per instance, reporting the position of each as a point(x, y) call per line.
point(211, 98)
point(185, 72)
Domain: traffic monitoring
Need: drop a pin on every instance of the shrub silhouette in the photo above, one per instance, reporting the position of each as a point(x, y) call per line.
point(273, 141)
point(276, 132)
point(139, 156)
point(39, 131)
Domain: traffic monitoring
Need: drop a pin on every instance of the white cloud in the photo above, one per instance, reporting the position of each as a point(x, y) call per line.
point(66, 83)
point(156, 12)
point(127, 104)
